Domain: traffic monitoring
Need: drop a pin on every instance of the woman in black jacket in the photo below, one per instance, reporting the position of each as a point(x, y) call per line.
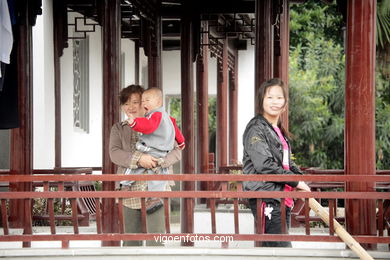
point(267, 151)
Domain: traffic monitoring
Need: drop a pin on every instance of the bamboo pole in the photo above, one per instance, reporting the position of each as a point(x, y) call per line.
point(341, 232)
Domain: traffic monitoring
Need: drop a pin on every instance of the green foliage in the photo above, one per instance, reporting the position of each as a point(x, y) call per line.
point(383, 38)
point(212, 115)
point(175, 111)
point(382, 121)
point(317, 83)
point(315, 118)
point(313, 19)
point(98, 185)
point(383, 23)
point(40, 209)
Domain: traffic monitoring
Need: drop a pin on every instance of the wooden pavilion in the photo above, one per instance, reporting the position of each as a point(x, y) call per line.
point(197, 28)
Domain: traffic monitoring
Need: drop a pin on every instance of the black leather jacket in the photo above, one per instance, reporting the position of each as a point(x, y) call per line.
point(263, 154)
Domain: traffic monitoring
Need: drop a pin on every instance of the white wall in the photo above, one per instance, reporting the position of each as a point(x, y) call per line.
point(172, 84)
point(172, 73)
point(246, 82)
point(80, 149)
point(143, 68)
point(85, 149)
point(43, 89)
point(127, 48)
point(212, 76)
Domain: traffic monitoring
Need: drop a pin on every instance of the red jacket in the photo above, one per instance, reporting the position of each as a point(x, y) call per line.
point(148, 125)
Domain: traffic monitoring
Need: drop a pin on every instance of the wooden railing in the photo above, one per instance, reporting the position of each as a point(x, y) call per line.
point(298, 212)
point(235, 196)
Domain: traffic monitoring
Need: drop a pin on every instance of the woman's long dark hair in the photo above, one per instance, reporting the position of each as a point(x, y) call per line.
point(261, 94)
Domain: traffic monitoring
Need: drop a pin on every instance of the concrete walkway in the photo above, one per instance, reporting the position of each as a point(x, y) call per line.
point(181, 253)
point(173, 250)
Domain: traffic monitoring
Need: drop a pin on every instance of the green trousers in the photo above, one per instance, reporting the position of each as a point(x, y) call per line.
point(155, 223)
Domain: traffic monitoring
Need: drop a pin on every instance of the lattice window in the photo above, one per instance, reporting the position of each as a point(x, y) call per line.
point(81, 84)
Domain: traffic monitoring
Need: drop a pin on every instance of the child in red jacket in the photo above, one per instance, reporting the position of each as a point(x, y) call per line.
point(158, 134)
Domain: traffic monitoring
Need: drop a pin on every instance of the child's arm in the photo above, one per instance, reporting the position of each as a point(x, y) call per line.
point(146, 125)
point(178, 135)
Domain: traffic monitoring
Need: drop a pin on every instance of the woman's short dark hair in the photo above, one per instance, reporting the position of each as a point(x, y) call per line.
point(126, 92)
point(263, 90)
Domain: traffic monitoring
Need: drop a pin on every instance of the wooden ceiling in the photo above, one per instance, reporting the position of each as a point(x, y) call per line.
point(226, 19)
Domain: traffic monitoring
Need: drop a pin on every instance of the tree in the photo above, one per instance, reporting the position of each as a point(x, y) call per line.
point(317, 83)
point(315, 119)
point(383, 23)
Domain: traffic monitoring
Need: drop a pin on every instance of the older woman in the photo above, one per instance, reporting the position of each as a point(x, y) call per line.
point(124, 155)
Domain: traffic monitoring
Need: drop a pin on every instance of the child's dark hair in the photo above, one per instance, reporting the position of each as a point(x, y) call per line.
point(262, 92)
point(126, 92)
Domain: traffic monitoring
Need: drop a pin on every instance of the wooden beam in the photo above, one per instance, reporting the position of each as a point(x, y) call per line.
point(58, 9)
point(203, 108)
point(264, 45)
point(154, 55)
point(22, 138)
point(360, 113)
point(111, 85)
point(233, 111)
point(187, 103)
point(222, 102)
point(281, 61)
point(136, 62)
point(213, 7)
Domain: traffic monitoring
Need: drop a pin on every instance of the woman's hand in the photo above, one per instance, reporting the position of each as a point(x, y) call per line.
point(303, 186)
point(130, 119)
point(147, 161)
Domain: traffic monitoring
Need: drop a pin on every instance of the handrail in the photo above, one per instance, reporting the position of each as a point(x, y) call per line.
point(97, 196)
point(197, 177)
point(63, 170)
point(312, 170)
point(193, 194)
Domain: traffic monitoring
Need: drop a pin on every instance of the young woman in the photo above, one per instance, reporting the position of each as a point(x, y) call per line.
point(267, 151)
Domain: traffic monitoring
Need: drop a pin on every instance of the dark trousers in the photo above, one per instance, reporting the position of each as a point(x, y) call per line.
point(273, 225)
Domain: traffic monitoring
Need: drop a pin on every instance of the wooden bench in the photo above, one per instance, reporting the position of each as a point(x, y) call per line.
point(86, 208)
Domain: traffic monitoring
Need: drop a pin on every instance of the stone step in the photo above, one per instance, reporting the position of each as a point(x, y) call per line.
point(141, 253)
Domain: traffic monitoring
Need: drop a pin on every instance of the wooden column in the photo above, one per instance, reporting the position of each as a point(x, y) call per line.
point(154, 56)
point(21, 162)
point(222, 102)
point(187, 104)
point(360, 113)
point(60, 32)
point(233, 109)
point(281, 56)
point(264, 44)
point(136, 62)
point(111, 85)
point(203, 107)
point(57, 109)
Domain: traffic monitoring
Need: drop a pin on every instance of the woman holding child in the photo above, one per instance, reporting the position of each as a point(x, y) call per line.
point(124, 154)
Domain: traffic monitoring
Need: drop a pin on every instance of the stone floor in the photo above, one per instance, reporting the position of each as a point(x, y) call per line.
point(173, 250)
